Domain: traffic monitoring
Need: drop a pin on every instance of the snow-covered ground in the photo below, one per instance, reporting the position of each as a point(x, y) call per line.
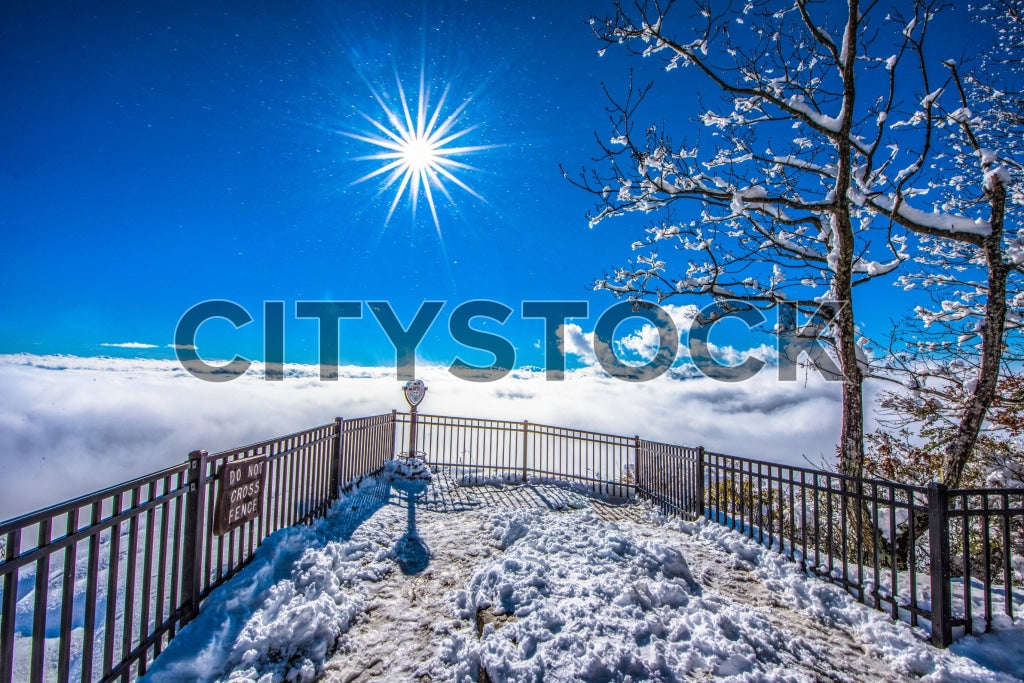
point(414, 580)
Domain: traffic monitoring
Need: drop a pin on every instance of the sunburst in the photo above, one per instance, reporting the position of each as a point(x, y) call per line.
point(418, 149)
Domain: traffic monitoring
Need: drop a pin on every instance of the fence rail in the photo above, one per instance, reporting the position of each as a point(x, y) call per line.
point(483, 450)
point(924, 554)
point(920, 553)
point(101, 583)
point(670, 476)
point(121, 542)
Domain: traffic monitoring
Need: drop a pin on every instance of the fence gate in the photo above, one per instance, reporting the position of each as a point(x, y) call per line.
point(671, 476)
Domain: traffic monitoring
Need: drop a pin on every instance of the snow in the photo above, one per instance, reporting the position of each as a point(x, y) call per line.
point(899, 646)
point(996, 177)
point(935, 221)
point(592, 601)
point(287, 611)
point(961, 115)
point(409, 578)
point(929, 99)
point(796, 103)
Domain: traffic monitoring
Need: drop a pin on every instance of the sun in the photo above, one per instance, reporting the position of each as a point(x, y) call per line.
point(417, 149)
point(419, 154)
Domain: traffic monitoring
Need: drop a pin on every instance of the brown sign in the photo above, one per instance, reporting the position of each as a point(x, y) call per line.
point(240, 493)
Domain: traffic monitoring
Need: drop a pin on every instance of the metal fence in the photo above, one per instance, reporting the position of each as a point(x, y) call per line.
point(671, 477)
point(499, 450)
point(124, 543)
point(94, 588)
point(925, 554)
point(920, 553)
point(109, 578)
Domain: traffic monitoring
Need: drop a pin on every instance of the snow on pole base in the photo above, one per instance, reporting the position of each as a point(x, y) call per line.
point(407, 469)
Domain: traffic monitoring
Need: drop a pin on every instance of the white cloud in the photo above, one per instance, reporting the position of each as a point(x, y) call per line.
point(132, 345)
point(69, 425)
point(572, 340)
point(645, 341)
point(729, 356)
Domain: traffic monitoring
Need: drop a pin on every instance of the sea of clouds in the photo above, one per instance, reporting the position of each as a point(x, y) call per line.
point(71, 425)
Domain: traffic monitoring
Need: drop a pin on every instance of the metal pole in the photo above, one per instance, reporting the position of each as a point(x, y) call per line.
point(938, 548)
point(195, 532)
point(412, 431)
point(9, 606)
point(700, 482)
point(526, 441)
point(339, 457)
point(636, 466)
point(392, 452)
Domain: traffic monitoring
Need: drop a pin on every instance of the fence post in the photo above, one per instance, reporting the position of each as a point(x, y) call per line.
point(526, 440)
point(700, 481)
point(636, 465)
point(938, 547)
point(8, 607)
point(394, 433)
point(195, 532)
point(339, 457)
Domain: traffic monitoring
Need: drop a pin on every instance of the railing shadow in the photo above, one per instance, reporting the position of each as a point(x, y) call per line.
point(353, 510)
point(448, 493)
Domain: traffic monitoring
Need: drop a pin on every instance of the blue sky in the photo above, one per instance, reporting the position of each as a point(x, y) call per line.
point(156, 155)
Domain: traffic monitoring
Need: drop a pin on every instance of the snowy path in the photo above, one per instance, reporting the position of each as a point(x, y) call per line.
point(416, 608)
point(408, 615)
point(534, 582)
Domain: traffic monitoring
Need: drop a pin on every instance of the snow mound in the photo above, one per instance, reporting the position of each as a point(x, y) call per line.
point(407, 469)
point(901, 647)
point(478, 476)
point(303, 617)
point(285, 614)
point(574, 598)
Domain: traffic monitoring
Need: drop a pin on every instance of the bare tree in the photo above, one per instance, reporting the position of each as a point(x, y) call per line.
point(952, 360)
point(817, 172)
point(917, 430)
point(804, 179)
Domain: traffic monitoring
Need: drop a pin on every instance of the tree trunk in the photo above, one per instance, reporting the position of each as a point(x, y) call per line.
point(959, 451)
point(851, 443)
point(851, 438)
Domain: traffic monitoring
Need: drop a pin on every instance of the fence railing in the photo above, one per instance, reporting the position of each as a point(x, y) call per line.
point(102, 571)
point(846, 530)
point(920, 553)
point(109, 578)
point(101, 583)
point(671, 476)
point(482, 450)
